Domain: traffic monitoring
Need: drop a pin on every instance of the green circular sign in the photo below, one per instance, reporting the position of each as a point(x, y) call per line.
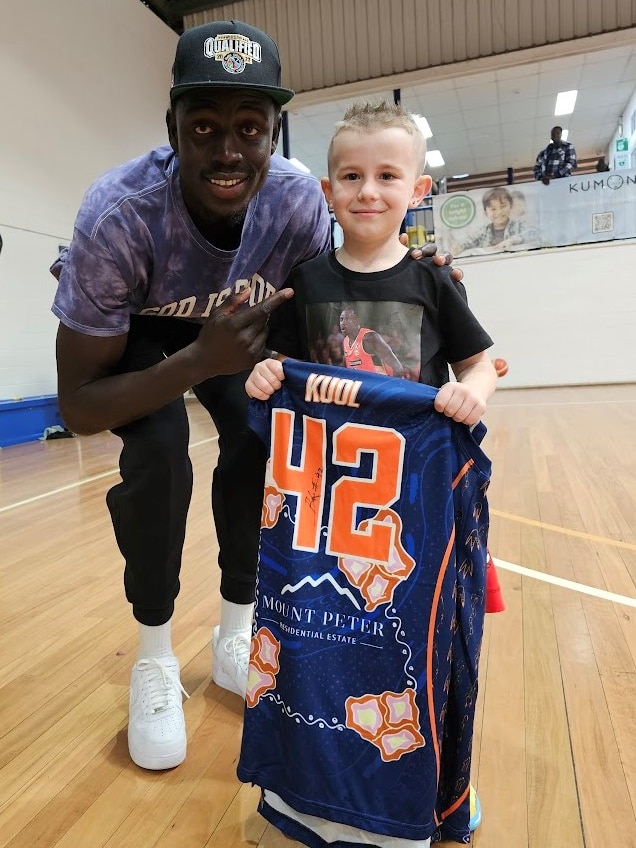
point(458, 211)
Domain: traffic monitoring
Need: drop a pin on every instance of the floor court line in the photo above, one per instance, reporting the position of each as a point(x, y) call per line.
point(565, 584)
point(565, 531)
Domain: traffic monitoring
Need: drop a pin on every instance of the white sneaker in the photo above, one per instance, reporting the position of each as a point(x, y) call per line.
point(230, 661)
point(156, 725)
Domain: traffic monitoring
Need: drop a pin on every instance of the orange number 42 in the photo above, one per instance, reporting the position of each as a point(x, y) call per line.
point(307, 481)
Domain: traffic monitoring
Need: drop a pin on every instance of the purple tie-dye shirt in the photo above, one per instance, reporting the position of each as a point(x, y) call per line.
point(136, 250)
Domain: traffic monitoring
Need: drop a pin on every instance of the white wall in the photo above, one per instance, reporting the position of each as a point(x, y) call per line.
point(559, 316)
point(628, 131)
point(84, 87)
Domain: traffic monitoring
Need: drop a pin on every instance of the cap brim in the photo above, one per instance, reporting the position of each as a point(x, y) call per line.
point(278, 95)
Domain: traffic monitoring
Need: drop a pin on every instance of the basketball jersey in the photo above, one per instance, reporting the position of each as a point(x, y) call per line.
point(369, 606)
point(356, 357)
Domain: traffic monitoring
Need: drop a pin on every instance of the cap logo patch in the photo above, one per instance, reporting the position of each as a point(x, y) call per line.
point(233, 51)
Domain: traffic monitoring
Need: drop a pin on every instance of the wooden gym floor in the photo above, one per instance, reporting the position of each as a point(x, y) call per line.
point(555, 746)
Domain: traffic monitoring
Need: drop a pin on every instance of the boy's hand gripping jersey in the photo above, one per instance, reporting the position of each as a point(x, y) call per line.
point(370, 604)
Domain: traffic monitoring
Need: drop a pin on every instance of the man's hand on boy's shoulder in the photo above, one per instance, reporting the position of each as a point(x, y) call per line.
point(430, 250)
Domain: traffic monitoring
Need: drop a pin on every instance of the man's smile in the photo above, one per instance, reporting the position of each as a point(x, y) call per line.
point(227, 182)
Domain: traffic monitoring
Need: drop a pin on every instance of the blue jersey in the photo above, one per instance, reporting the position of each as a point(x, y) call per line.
point(369, 608)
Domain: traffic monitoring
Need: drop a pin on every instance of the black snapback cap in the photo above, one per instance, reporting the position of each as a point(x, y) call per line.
point(229, 54)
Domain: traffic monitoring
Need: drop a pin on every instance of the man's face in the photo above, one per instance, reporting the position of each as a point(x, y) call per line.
point(224, 139)
point(556, 134)
point(349, 323)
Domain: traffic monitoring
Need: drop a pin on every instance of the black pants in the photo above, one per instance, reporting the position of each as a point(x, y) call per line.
point(150, 506)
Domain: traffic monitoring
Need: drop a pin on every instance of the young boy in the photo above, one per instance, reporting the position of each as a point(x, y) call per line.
point(374, 178)
point(375, 162)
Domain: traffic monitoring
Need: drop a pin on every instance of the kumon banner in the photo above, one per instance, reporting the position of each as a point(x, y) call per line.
point(594, 207)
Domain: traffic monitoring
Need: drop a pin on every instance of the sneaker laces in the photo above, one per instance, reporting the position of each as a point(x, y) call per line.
point(161, 683)
point(238, 647)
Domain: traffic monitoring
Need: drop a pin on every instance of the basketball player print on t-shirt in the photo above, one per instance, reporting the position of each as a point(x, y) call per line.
point(378, 336)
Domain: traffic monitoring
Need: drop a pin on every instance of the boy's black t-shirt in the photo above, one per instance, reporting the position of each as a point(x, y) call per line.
point(416, 309)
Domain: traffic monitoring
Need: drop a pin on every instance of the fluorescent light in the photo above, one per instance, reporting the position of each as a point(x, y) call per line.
point(565, 102)
point(300, 166)
point(459, 176)
point(422, 123)
point(434, 159)
point(564, 135)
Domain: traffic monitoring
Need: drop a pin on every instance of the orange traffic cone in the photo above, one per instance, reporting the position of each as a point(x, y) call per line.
point(494, 595)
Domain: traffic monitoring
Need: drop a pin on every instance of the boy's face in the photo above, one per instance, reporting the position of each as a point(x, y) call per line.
point(373, 180)
point(498, 212)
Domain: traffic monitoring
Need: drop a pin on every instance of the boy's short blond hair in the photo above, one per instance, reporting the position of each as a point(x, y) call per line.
point(375, 116)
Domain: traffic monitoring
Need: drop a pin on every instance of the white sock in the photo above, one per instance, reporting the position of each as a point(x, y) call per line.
point(155, 641)
point(235, 618)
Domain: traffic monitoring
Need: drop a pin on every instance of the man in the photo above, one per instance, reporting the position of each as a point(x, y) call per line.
point(557, 160)
point(168, 252)
point(365, 349)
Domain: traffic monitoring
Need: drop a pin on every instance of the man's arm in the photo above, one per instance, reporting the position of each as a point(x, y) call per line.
point(539, 165)
point(374, 344)
point(570, 161)
point(92, 398)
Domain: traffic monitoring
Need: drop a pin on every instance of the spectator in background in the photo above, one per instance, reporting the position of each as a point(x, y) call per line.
point(557, 160)
point(602, 165)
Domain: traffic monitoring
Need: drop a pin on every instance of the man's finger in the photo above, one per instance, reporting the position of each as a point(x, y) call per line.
point(265, 309)
point(273, 302)
point(257, 315)
point(233, 302)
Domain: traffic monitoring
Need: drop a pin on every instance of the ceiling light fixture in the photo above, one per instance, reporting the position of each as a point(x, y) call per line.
point(434, 159)
point(565, 102)
point(422, 123)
